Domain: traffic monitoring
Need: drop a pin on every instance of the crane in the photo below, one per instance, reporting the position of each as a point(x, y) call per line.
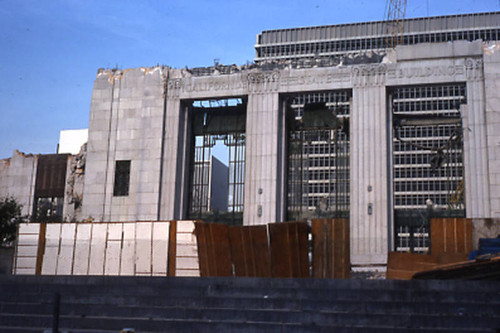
point(394, 18)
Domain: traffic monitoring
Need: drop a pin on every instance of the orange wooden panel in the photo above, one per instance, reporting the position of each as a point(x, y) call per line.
point(238, 251)
point(41, 248)
point(409, 261)
point(219, 250)
point(201, 231)
point(331, 248)
point(289, 249)
point(172, 248)
point(451, 235)
point(250, 251)
point(437, 236)
point(262, 255)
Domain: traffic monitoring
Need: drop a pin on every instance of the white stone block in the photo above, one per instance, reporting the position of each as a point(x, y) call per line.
point(160, 247)
point(97, 249)
point(67, 246)
point(143, 248)
point(82, 249)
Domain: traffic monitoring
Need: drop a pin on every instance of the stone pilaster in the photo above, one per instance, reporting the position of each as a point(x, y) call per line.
point(261, 160)
point(477, 192)
point(369, 193)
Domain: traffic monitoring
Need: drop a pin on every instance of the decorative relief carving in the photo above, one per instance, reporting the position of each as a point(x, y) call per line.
point(175, 84)
point(473, 63)
point(474, 68)
point(262, 77)
point(365, 75)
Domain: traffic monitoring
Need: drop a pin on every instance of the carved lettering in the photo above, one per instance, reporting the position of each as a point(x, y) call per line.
point(427, 71)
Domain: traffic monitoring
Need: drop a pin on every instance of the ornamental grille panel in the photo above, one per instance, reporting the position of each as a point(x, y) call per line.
point(318, 155)
point(427, 160)
point(217, 161)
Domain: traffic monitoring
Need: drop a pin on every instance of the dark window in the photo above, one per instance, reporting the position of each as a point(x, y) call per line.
point(122, 178)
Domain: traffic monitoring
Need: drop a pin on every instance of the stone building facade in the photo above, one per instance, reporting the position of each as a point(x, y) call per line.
point(333, 126)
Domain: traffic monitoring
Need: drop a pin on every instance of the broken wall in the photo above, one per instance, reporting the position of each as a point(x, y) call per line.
point(17, 179)
point(126, 124)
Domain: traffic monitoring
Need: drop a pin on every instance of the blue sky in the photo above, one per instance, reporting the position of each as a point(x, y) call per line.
point(50, 50)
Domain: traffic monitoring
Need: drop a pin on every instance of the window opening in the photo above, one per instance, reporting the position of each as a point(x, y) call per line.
point(122, 178)
point(427, 160)
point(318, 155)
point(218, 161)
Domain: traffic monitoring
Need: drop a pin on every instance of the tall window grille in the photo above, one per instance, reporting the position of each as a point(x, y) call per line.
point(427, 160)
point(218, 161)
point(318, 155)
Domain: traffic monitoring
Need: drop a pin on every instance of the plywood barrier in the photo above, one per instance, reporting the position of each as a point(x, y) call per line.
point(289, 249)
point(451, 235)
point(250, 251)
point(273, 250)
point(331, 249)
point(121, 248)
point(451, 242)
point(402, 266)
point(214, 252)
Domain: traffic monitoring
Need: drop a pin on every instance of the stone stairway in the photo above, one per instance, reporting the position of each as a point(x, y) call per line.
point(113, 304)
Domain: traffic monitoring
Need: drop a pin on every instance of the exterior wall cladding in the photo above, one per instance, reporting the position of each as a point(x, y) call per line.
point(144, 116)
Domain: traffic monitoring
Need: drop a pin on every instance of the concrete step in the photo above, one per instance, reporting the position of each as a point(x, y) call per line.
point(247, 305)
point(92, 304)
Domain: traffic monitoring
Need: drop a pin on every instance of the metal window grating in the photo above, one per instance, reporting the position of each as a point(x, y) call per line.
point(318, 158)
point(218, 122)
point(427, 160)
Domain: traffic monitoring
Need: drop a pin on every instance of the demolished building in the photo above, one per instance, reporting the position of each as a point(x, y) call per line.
point(328, 122)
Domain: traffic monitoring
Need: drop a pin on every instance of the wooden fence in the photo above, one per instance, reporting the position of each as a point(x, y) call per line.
point(451, 241)
point(276, 250)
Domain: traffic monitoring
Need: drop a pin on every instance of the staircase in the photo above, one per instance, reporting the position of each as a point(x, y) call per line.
point(114, 304)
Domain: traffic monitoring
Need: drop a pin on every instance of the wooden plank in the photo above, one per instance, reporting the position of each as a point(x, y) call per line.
point(403, 265)
point(331, 248)
point(320, 255)
point(250, 251)
point(214, 251)
point(172, 248)
point(82, 249)
point(261, 250)
point(437, 236)
point(289, 249)
point(342, 254)
point(451, 235)
point(218, 250)
point(240, 246)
